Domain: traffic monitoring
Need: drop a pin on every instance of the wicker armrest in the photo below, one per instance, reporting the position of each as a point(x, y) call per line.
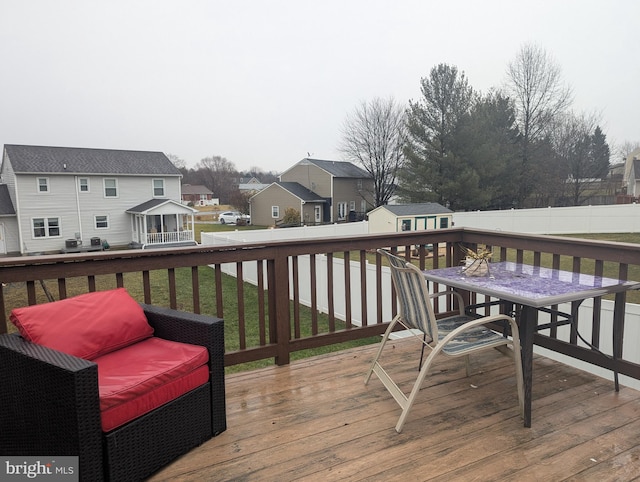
point(50, 403)
point(198, 330)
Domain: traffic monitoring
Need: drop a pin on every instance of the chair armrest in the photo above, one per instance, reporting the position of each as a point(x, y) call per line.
point(450, 292)
point(201, 330)
point(49, 404)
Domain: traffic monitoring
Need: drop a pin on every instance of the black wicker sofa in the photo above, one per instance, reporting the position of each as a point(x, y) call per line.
point(49, 405)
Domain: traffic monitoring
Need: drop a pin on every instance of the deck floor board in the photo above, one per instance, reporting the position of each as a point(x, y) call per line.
point(316, 420)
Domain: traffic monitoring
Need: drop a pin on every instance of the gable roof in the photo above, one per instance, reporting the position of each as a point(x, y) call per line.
point(334, 168)
point(195, 189)
point(296, 189)
point(416, 209)
point(152, 204)
point(74, 160)
point(6, 205)
point(300, 191)
point(339, 168)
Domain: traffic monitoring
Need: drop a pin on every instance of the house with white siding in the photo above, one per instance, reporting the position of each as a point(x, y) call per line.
point(64, 199)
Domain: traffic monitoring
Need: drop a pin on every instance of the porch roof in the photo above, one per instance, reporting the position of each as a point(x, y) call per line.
point(154, 204)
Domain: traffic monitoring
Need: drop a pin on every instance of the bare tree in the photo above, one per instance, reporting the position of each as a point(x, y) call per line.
point(535, 83)
point(624, 149)
point(177, 161)
point(374, 136)
point(582, 153)
point(218, 174)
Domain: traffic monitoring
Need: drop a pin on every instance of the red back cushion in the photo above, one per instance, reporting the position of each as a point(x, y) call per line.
point(86, 326)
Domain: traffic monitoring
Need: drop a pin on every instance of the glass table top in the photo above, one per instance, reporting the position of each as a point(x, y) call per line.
point(530, 285)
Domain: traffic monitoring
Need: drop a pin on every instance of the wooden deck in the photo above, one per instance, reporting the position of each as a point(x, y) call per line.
point(316, 420)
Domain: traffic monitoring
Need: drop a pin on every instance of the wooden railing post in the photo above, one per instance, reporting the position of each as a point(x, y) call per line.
point(279, 295)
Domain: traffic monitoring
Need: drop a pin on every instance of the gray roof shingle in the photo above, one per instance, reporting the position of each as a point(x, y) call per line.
point(302, 192)
point(340, 168)
point(6, 205)
point(74, 160)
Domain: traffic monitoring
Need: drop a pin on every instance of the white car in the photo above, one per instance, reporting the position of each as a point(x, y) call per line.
point(233, 217)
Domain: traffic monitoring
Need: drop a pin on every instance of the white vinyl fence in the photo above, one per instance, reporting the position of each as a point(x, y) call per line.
point(541, 221)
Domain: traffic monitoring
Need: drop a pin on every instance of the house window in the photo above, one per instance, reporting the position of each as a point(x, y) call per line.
point(83, 184)
point(46, 227)
point(110, 188)
point(359, 184)
point(342, 211)
point(158, 188)
point(275, 211)
point(444, 223)
point(406, 225)
point(43, 184)
point(352, 205)
point(102, 222)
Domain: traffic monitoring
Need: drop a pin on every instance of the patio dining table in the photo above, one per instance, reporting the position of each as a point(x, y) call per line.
point(531, 289)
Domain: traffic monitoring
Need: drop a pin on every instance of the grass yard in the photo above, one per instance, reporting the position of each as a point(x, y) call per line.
point(15, 295)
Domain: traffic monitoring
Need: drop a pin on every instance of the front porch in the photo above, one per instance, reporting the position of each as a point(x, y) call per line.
point(162, 223)
point(316, 420)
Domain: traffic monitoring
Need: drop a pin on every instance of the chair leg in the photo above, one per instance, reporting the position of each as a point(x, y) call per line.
point(385, 338)
point(424, 342)
point(416, 388)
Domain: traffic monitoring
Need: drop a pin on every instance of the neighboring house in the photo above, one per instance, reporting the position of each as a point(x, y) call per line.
point(346, 189)
point(269, 205)
point(251, 186)
point(198, 195)
point(75, 199)
point(409, 217)
point(632, 174)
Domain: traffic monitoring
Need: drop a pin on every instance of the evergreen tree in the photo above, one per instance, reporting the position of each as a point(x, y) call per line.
point(431, 168)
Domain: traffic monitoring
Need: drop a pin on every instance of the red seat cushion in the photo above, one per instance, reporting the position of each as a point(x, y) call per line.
point(139, 378)
point(86, 326)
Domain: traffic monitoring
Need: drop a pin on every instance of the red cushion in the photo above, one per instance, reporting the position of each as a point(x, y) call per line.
point(141, 377)
point(85, 326)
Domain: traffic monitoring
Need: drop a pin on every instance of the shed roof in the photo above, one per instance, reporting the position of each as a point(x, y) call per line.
point(416, 209)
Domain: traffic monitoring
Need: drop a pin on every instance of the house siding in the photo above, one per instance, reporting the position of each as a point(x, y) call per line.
point(311, 177)
point(77, 215)
point(273, 195)
point(346, 190)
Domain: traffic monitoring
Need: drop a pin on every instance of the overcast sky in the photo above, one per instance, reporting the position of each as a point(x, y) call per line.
point(265, 82)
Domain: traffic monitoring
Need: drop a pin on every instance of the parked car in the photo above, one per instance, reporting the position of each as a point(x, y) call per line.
point(234, 217)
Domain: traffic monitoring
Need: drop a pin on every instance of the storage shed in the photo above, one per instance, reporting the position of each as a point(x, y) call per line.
point(393, 218)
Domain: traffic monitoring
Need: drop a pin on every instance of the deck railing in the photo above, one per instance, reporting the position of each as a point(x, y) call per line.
point(266, 320)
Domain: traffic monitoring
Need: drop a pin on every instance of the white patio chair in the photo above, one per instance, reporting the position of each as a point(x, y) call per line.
point(458, 335)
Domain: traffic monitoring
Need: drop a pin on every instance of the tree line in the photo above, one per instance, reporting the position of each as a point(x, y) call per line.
point(516, 146)
point(221, 177)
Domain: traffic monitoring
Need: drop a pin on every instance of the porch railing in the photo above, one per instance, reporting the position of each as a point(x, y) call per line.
point(273, 306)
point(170, 237)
